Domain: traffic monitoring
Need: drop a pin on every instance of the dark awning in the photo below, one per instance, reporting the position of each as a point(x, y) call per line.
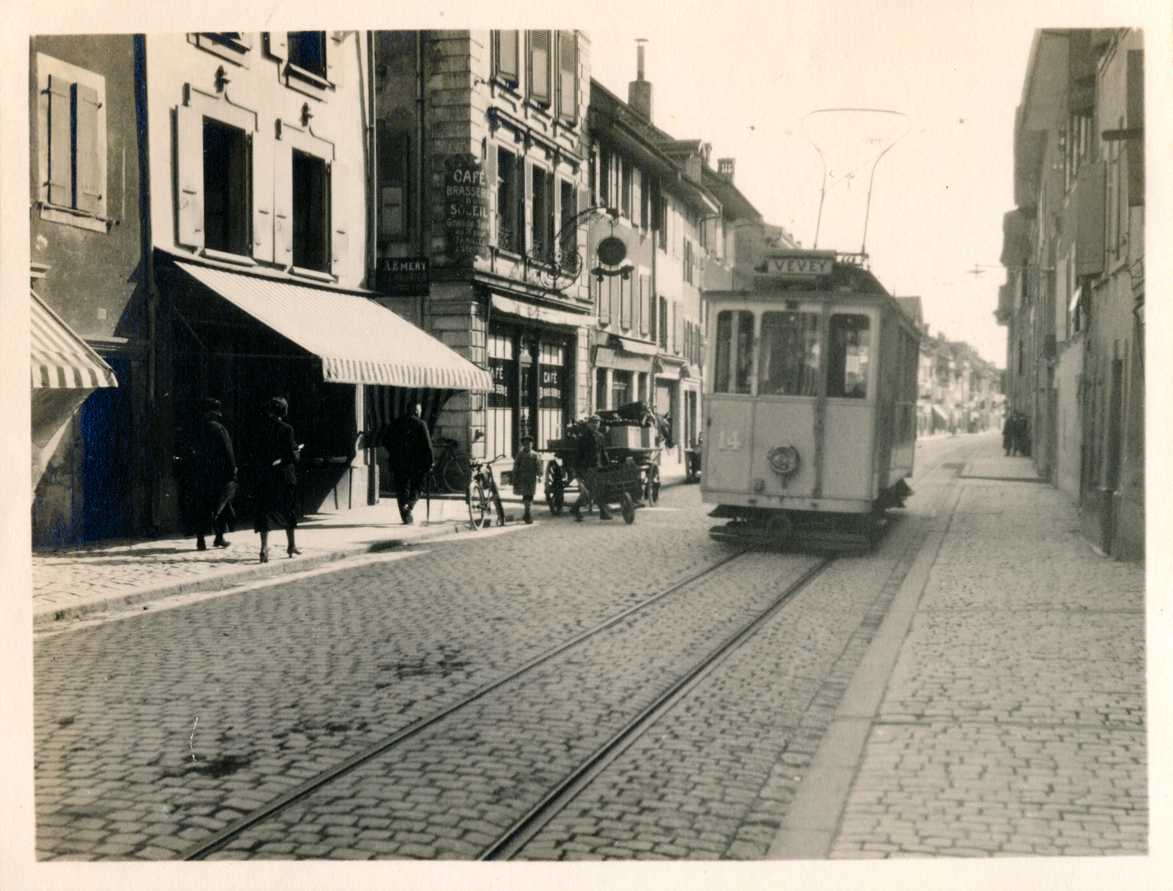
point(358, 341)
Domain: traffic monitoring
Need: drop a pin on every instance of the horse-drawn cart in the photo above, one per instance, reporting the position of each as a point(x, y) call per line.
point(632, 437)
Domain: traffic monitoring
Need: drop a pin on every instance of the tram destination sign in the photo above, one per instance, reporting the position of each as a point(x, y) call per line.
point(807, 264)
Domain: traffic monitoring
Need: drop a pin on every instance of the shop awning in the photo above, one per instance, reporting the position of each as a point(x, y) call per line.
point(632, 345)
point(358, 341)
point(533, 312)
point(60, 359)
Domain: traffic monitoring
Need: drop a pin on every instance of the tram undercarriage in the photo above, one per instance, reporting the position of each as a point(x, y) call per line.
point(809, 531)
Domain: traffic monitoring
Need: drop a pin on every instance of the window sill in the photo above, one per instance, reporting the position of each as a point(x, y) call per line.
point(312, 273)
point(226, 257)
point(307, 77)
point(74, 218)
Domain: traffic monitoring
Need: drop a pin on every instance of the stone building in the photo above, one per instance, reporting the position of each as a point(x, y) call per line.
point(1073, 304)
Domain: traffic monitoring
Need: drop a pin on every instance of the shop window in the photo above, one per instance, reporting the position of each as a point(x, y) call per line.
point(227, 214)
point(788, 361)
point(505, 56)
point(311, 212)
point(848, 350)
point(71, 120)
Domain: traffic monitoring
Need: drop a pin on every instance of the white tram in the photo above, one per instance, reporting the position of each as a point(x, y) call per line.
point(810, 403)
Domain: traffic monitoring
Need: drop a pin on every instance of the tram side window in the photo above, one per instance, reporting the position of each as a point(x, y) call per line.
point(733, 355)
point(789, 361)
point(848, 354)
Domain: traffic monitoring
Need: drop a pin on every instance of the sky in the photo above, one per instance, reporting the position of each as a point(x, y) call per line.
point(768, 90)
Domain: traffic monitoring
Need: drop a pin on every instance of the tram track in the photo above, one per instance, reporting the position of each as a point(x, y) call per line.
point(377, 750)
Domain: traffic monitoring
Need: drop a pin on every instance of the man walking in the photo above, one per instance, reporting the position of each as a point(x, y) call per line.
point(215, 468)
point(411, 458)
point(592, 456)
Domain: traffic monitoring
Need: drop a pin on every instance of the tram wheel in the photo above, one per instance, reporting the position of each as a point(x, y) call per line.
point(555, 488)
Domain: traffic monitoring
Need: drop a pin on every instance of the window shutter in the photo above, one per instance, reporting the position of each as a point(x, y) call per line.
point(604, 288)
point(644, 303)
point(339, 240)
point(60, 143)
point(279, 44)
point(262, 168)
point(89, 187)
point(678, 329)
point(282, 203)
point(525, 213)
point(539, 66)
point(567, 76)
point(491, 185)
point(625, 302)
point(189, 138)
point(507, 47)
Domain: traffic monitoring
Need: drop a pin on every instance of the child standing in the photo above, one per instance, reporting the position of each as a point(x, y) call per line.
point(527, 467)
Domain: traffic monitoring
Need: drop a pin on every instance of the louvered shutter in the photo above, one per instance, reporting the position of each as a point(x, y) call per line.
point(625, 288)
point(567, 76)
point(539, 66)
point(678, 332)
point(89, 168)
point(491, 185)
point(525, 214)
point(60, 143)
point(279, 44)
point(282, 203)
point(189, 138)
point(262, 165)
point(339, 239)
point(507, 54)
point(644, 303)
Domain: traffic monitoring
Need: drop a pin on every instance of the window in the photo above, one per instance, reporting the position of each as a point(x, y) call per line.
point(788, 364)
point(621, 388)
point(567, 77)
point(394, 175)
point(604, 193)
point(231, 45)
point(539, 67)
point(505, 53)
point(687, 261)
point(625, 188)
point(543, 215)
point(848, 347)
point(734, 351)
point(645, 211)
point(510, 203)
point(227, 215)
point(307, 51)
point(311, 212)
point(569, 245)
point(71, 137)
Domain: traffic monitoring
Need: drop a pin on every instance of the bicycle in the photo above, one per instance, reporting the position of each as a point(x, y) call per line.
point(483, 496)
point(450, 470)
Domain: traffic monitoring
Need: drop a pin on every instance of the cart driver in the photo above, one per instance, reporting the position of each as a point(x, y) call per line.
point(592, 456)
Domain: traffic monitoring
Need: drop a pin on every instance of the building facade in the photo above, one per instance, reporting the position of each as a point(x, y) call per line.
point(1073, 247)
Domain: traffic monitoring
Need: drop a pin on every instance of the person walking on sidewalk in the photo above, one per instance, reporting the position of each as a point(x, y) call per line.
point(215, 476)
point(276, 501)
point(592, 456)
point(527, 467)
point(410, 446)
point(1008, 432)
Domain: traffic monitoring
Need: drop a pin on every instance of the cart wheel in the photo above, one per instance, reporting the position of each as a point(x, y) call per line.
point(652, 486)
point(480, 514)
point(555, 488)
point(628, 509)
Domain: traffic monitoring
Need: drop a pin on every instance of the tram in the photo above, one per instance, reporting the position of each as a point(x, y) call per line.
point(810, 404)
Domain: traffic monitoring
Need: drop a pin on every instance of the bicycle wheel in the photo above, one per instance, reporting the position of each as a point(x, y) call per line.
point(455, 474)
point(479, 515)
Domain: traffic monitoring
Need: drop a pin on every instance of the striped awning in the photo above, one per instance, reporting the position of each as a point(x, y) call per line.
point(358, 341)
point(60, 359)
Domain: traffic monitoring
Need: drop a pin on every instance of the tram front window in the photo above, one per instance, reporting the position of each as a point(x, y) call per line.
point(789, 360)
point(848, 352)
point(733, 358)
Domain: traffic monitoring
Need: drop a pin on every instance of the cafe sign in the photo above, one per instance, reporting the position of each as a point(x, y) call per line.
point(466, 207)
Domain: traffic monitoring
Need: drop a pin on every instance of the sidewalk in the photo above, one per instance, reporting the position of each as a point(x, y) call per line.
point(95, 577)
point(1000, 708)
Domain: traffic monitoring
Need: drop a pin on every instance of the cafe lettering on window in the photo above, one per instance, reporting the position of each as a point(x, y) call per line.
point(466, 207)
point(550, 392)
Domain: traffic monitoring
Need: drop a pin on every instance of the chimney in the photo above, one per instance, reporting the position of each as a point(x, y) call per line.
point(725, 168)
point(639, 91)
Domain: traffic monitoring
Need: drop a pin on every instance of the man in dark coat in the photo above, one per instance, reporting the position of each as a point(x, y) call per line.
point(215, 476)
point(410, 446)
point(592, 456)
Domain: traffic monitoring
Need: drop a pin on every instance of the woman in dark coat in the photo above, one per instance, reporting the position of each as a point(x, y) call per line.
point(276, 502)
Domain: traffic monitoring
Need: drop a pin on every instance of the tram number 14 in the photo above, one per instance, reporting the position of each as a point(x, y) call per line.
point(730, 440)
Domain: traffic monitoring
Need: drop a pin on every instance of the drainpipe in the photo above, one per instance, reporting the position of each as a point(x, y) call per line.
point(421, 190)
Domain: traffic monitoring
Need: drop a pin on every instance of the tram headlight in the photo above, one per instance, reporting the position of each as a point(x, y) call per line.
point(783, 460)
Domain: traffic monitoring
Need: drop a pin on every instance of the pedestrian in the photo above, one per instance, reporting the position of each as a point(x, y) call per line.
point(592, 456)
point(276, 501)
point(1008, 433)
point(214, 476)
point(527, 468)
point(1022, 436)
point(410, 446)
